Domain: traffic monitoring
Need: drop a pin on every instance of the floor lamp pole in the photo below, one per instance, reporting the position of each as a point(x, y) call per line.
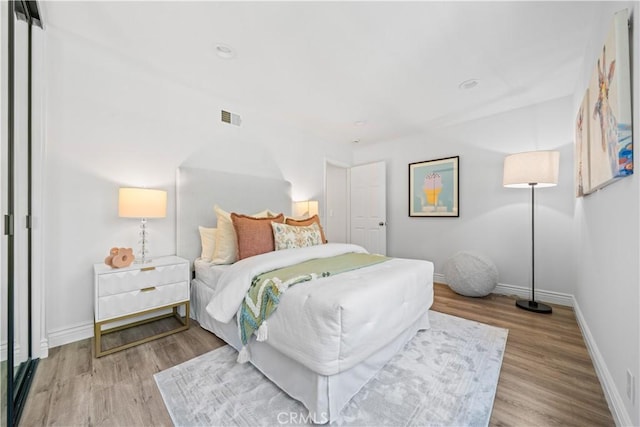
point(531, 304)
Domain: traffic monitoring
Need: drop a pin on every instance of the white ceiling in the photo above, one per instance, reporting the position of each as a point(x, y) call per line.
point(325, 65)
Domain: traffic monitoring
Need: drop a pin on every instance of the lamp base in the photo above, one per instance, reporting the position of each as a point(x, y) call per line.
point(537, 307)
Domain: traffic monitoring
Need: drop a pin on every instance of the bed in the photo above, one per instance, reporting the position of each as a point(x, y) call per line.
point(328, 337)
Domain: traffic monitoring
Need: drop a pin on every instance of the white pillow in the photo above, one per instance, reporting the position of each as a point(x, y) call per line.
point(264, 214)
point(295, 236)
point(226, 246)
point(208, 242)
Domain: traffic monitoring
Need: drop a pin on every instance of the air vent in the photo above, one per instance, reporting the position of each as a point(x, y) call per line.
point(231, 118)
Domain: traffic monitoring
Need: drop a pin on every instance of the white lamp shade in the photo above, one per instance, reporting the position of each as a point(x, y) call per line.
point(521, 170)
point(142, 203)
point(305, 209)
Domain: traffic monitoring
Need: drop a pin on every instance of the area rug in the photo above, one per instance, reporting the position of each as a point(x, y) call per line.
point(445, 376)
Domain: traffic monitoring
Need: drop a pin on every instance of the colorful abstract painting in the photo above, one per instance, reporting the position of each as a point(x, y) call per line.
point(582, 148)
point(433, 188)
point(609, 108)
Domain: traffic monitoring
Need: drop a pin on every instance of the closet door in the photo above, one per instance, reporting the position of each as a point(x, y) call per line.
point(16, 351)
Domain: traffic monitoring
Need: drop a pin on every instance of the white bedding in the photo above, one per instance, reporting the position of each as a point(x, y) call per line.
point(331, 324)
point(209, 273)
point(323, 395)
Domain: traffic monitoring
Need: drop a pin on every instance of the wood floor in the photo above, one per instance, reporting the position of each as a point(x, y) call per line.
point(546, 379)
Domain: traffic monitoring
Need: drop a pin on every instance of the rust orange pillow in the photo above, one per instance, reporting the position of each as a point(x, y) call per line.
point(308, 221)
point(255, 235)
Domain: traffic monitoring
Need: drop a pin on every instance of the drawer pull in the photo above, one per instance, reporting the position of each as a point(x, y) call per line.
point(149, 289)
point(147, 268)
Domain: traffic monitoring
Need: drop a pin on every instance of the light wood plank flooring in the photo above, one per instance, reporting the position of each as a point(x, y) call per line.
point(547, 377)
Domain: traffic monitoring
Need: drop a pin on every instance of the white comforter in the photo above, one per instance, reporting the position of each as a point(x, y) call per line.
point(333, 323)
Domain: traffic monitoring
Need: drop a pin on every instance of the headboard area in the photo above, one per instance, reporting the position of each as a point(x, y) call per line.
point(198, 190)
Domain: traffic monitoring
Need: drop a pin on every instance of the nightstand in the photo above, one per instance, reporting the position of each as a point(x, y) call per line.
point(126, 297)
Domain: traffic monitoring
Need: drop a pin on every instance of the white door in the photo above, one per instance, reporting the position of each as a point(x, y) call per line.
point(369, 207)
point(336, 217)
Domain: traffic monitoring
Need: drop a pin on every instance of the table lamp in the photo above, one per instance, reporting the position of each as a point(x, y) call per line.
point(142, 203)
point(305, 209)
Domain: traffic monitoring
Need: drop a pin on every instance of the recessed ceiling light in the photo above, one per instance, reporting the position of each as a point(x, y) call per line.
point(360, 123)
point(225, 51)
point(469, 84)
point(356, 141)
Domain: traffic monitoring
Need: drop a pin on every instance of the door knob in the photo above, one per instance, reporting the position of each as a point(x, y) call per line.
point(381, 224)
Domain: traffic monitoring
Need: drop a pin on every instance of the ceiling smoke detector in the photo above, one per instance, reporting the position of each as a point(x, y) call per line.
point(469, 84)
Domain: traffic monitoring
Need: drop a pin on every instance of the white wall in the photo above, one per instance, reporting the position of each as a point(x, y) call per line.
point(494, 221)
point(608, 249)
point(113, 122)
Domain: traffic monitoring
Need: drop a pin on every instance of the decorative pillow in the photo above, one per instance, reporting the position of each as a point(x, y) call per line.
point(208, 241)
point(255, 235)
point(226, 246)
point(225, 251)
point(296, 236)
point(308, 221)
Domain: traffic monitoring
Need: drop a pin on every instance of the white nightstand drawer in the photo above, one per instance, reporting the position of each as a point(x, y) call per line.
point(146, 298)
point(119, 282)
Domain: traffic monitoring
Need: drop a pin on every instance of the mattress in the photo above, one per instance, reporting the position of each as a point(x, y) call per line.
point(331, 324)
point(208, 273)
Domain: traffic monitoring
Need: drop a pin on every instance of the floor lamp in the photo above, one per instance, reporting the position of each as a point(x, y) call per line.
point(530, 170)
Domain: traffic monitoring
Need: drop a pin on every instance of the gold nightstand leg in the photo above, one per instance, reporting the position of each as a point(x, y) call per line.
point(174, 313)
point(97, 333)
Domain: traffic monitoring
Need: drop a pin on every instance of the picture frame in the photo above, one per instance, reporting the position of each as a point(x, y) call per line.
point(434, 188)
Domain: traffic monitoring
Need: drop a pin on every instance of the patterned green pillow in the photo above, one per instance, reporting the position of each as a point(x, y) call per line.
point(291, 236)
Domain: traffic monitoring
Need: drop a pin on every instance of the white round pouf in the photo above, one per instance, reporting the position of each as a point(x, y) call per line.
point(471, 274)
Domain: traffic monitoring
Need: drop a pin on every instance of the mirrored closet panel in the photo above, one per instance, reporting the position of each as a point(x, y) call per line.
point(19, 19)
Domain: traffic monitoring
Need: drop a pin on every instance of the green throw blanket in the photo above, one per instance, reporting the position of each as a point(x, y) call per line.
point(264, 294)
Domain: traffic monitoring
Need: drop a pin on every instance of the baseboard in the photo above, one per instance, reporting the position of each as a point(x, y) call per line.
point(85, 330)
point(541, 295)
point(439, 278)
point(44, 348)
point(68, 335)
point(614, 399)
point(520, 292)
point(4, 351)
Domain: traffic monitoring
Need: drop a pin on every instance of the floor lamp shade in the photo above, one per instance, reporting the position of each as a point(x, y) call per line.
point(142, 203)
point(539, 168)
point(530, 170)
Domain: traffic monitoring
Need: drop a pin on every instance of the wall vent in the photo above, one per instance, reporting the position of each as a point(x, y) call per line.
point(231, 118)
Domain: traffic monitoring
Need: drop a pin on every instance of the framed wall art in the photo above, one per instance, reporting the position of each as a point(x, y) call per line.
point(606, 152)
point(582, 148)
point(433, 188)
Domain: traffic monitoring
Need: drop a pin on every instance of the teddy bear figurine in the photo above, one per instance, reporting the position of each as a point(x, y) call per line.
point(119, 257)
